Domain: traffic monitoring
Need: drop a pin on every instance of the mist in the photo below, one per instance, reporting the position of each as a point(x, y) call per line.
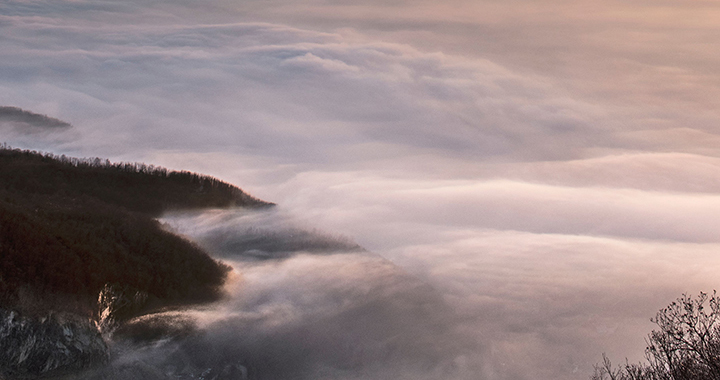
point(292, 310)
point(471, 189)
point(460, 303)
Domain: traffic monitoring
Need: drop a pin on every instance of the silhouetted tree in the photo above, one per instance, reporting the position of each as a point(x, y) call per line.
point(686, 345)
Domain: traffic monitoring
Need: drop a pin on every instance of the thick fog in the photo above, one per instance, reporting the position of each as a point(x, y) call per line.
point(472, 189)
point(307, 305)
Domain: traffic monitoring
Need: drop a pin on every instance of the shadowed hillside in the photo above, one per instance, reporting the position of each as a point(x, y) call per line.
point(48, 179)
point(69, 227)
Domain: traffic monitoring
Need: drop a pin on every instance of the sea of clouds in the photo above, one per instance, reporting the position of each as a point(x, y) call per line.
point(531, 180)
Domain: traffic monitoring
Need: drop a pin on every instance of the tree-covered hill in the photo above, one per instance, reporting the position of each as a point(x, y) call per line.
point(48, 179)
point(69, 227)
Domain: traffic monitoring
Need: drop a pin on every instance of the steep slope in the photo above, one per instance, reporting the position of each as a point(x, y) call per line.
point(69, 227)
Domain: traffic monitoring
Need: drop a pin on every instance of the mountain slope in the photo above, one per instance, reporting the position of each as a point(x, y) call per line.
point(69, 228)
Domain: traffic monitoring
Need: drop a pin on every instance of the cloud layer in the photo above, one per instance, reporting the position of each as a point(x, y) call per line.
point(548, 168)
point(287, 93)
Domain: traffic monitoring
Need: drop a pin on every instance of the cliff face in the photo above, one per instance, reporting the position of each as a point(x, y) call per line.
point(32, 347)
point(66, 346)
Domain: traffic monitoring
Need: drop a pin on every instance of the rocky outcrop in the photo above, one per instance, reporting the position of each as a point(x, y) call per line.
point(117, 303)
point(68, 347)
point(56, 344)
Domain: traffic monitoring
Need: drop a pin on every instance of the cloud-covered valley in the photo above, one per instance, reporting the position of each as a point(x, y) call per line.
point(543, 175)
point(279, 88)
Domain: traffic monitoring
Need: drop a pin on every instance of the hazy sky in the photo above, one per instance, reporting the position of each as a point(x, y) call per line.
point(552, 168)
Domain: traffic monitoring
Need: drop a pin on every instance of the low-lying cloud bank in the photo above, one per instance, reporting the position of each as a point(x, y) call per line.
point(461, 303)
point(304, 315)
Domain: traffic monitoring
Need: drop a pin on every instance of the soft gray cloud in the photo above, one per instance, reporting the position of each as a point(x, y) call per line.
point(262, 85)
point(350, 315)
point(525, 304)
point(572, 296)
point(279, 87)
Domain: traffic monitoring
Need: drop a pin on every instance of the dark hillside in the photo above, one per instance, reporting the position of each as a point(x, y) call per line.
point(70, 227)
point(136, 187)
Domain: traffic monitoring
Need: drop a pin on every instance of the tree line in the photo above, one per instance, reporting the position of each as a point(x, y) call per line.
point(136, 186)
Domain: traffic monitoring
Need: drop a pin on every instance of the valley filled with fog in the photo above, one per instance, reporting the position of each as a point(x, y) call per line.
point(466, 190)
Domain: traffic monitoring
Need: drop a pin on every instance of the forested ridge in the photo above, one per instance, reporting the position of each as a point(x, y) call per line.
point(69, 227)
point(133, 186)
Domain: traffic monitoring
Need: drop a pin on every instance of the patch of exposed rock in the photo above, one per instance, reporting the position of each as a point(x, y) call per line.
point(34, 347)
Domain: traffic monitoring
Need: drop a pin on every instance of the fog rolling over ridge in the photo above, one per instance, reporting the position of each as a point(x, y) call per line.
point(543, 174)
point(345, 314)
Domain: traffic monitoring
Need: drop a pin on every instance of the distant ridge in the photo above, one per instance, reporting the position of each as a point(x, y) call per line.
point(17, 115)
